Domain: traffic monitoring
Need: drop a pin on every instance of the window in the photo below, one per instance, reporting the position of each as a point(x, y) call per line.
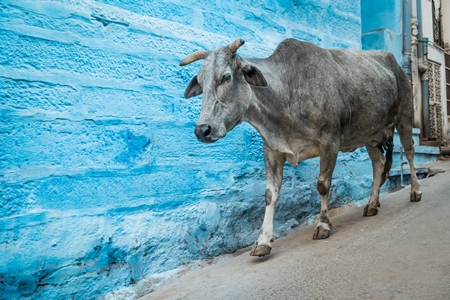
point(447, 76)
point(437, 23)
point(435, 98)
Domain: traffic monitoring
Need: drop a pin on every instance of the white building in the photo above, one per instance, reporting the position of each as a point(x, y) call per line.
point(435, 25)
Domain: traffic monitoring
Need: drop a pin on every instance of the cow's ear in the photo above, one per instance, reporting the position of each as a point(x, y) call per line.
point(193, 89)
point(253, 76)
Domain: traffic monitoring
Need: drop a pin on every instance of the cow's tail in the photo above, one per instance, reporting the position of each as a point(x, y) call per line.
point(389, 149)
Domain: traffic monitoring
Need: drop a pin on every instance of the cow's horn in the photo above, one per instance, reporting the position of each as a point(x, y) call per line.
point(193, 57)
point(235, 45)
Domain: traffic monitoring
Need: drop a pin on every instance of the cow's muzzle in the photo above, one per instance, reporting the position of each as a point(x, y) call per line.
point(203, 133)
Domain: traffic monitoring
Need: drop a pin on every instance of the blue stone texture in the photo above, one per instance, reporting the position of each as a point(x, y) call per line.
point(102, 181)
point(384, 39)
point(381, 14)
point(381, 26)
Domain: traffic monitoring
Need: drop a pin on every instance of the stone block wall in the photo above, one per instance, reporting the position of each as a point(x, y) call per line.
point(102, 181)
point(382, 27)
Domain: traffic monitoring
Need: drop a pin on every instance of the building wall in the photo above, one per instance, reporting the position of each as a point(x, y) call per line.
point(103, 182)
point(427, 19)
point(436, 55)
point(382, 29)
point(381, 14)
point(445, 5)
point(381, 26)
point(445, 13)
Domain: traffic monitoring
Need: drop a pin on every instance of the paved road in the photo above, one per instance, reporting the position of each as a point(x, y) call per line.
point(402, 253)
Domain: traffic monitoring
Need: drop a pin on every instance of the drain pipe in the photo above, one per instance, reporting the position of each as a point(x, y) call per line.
point(422, 53)
point(423, 67)
point(415, 80)
point(407, 37)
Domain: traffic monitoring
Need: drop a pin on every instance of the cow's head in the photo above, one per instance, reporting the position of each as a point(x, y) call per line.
point(225, 80)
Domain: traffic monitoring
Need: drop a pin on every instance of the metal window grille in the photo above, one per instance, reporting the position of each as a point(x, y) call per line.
point(447, 83)
point(435, 98)
point(437, 24)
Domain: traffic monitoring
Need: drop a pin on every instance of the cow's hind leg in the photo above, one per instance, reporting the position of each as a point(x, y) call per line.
point(327, 164)
point(274, 163)
point(404, 125)
point(378, 166)
point(405, 133)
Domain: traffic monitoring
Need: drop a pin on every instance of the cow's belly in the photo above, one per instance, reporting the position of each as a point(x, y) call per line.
point(303, 154)
point(352, 143)
point(298, 149)
point(295, 152)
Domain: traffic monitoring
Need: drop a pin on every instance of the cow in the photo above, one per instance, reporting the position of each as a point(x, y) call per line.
point(306, 101)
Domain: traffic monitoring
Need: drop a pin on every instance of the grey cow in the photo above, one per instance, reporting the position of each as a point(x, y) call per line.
point(307, 101)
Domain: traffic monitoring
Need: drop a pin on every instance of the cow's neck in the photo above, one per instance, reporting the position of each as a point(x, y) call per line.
point(264, 113)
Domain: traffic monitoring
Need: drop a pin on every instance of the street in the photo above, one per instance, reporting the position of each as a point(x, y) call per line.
point(401, 253)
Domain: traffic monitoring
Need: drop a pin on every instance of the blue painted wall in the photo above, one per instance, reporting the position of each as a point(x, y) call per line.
point(381, 25)
point(102, 181)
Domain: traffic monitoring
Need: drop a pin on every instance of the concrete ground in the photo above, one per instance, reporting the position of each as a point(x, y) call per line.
point(402, 253)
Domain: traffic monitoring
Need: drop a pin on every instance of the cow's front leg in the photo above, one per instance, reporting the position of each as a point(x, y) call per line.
point(274, 163)
point(327, 163)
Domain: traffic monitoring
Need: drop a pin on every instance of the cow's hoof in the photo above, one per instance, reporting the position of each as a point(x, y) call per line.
point(260, 250)
point(322, 231)
point(416, 196)
point(370, 211)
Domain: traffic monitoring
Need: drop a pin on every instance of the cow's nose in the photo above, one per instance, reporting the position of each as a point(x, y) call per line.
point(203, 133)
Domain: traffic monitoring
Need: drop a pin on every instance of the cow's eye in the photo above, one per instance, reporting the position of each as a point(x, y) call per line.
point(225, 77)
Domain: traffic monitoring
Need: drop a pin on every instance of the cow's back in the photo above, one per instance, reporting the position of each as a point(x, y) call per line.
point(370, 84)
point(349, 92)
